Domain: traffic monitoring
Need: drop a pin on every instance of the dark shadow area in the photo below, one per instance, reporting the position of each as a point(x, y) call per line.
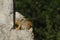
point(45, 17)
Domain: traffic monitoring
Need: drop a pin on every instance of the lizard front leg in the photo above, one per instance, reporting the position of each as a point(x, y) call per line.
point(19, 25)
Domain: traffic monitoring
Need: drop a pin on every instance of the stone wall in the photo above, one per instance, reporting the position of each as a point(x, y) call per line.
point(6, 23)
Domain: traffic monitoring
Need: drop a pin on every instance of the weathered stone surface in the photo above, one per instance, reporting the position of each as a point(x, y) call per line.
point(6, 33)
point(6, 23)
point(15, 34)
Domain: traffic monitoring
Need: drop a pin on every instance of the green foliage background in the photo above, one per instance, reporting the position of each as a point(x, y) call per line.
point(45, 15)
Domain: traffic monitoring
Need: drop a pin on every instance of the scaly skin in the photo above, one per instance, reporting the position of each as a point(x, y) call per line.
point(23, 25)
point(19, 24)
